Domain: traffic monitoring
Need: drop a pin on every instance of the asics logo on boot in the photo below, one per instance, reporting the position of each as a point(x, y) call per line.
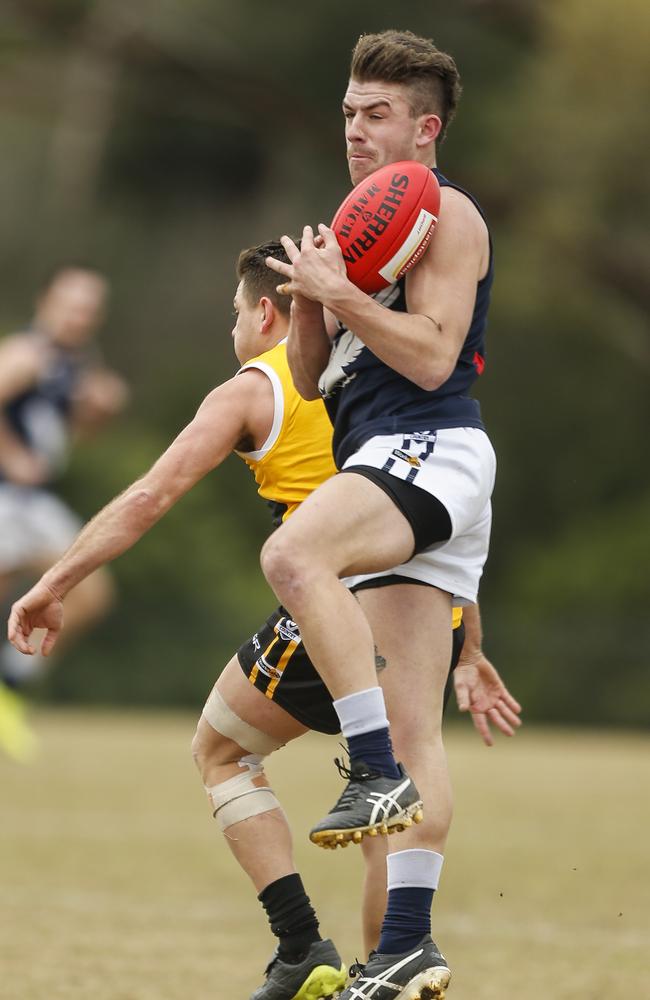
point(368, 986)
point(385, 803)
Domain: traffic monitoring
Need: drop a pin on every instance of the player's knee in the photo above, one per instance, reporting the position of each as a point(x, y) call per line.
point(208, 749)
point(244, 795)
point(286, 570)
point(222, 738)
point(277, 565)
point(221, 728)
point(229, 753)
point(213, 753)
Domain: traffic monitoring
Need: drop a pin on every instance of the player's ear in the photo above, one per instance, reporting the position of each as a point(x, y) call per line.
point(429, 127)
point(268, 314)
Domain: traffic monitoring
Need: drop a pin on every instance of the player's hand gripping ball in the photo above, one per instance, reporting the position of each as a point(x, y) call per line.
point(385, 224)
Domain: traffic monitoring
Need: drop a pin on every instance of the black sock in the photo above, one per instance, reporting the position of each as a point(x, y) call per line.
point(291, 916)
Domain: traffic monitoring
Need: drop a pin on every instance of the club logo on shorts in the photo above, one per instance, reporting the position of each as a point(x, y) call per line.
point(411, 459)
point(265, 668)
point(287, 630)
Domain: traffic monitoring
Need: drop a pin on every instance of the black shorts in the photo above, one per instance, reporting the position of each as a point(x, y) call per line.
point(429, 519)
point(276, 662)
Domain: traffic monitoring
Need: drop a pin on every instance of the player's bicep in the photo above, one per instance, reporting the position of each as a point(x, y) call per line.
point(221, 422)
point(443, 285)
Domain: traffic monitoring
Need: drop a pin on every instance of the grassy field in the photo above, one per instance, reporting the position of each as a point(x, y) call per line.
point(114, 884)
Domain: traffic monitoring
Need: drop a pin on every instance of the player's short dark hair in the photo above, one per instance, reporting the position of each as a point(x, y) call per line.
point(402, 57)
point(259, 280)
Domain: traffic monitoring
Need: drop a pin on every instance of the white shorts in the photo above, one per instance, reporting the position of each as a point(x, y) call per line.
point(35, 526)
point(456, 465)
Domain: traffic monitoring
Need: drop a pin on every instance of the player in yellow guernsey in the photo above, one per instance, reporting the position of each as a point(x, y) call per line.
point(297, 455)
point(269, 693)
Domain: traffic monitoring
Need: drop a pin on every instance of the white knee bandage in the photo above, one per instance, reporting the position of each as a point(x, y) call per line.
point(239, 798)
point(223, 720)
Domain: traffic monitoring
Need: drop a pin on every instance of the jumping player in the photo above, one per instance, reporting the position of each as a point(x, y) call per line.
point(416, 475)
point(269, 693)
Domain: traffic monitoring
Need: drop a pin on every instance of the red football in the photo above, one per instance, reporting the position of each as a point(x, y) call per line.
point(385, 224)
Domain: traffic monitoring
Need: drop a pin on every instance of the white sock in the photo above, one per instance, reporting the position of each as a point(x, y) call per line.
point(362, 712)
point(414, 869)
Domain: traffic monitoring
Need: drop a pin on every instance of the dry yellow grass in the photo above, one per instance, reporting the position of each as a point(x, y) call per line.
point(114, 884)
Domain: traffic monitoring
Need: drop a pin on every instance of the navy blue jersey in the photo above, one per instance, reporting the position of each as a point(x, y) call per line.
point(365, 398)
point(40, 415)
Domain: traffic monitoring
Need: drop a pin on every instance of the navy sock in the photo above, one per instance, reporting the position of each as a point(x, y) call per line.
point(407, 920)
point(376, 750)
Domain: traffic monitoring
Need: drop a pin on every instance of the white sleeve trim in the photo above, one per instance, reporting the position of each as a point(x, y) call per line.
point(278, 409)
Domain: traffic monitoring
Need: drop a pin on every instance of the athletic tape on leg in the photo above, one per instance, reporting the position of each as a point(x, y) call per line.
point(240, 798)
point(223, 720)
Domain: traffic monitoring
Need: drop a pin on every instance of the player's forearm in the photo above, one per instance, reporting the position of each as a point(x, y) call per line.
point(223, 419)
point(308, 349)
point(199, 448)
point(414, 345)
point(112, 531)
point(473, 632)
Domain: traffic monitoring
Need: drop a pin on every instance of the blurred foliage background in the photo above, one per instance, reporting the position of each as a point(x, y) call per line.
point(155, 139)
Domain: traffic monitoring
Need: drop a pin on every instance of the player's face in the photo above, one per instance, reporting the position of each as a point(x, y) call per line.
point(247, 329)
point(72, 309)
point(379, 127)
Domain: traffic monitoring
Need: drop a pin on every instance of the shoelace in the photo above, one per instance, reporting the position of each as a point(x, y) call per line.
point(355, 775)
point(356, 969)
point(348, 796)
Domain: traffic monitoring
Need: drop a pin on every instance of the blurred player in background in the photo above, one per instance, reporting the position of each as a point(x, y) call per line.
point(269, 693)
point(53, 387)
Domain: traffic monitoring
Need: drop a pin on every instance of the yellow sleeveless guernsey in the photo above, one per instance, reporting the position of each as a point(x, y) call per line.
point(297, 455)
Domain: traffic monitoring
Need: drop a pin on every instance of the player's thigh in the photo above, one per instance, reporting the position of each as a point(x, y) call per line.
point(348, 525)
point(411, 625)
point(275, 661)
point(253, 709)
